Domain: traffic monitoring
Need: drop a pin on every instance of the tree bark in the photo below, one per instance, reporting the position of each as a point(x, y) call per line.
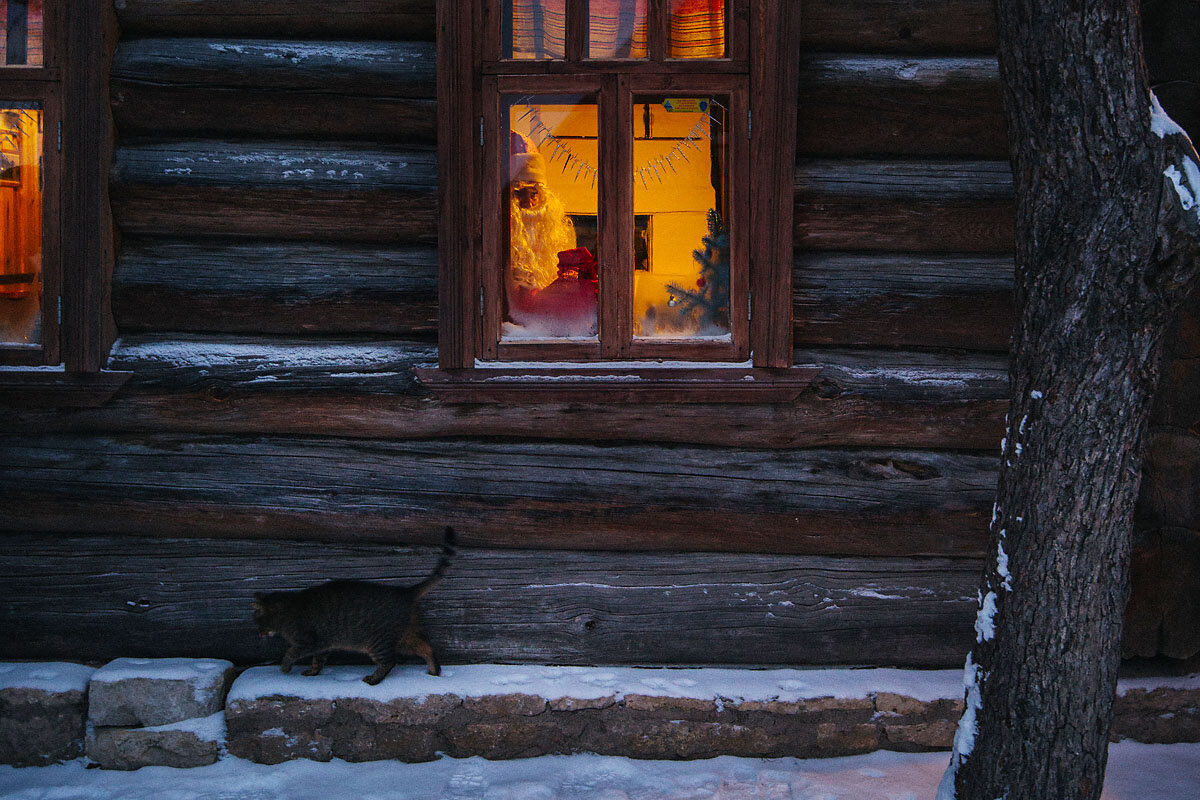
point(1107, 230)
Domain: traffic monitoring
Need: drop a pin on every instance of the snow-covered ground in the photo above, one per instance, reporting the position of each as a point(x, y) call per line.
point(1136, 771)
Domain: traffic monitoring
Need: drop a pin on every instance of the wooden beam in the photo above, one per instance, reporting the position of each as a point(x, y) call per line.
point(849, 105)
point(373, 68)
point(240, 385)
point(275, 287)
point(99, 598)
point(856, 106)
point(915, 206)
point(498, 494)
point(894, 300)
point(316, 19)
point(900, 26)
point(774, 28)
point(288, 190)
point(458, 186)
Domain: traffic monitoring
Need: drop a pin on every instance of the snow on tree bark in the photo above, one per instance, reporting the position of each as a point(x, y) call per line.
point(1107, 248)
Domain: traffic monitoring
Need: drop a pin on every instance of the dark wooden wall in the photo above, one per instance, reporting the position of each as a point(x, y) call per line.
point(274, 188)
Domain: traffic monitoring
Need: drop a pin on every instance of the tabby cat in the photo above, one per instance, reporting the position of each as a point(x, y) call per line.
point(370, 618)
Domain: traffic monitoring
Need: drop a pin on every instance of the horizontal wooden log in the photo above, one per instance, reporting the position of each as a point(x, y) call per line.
point(317, 19)
point(899, 26)
point(310, 387)
point(866, 25)
point(540, 495)
point(916, 206)
point(918, 107)
point(298, 289)
point(286, 190)
point(850, 106)
point(274, 287)
point(99, 598)
point(349, 192)
point(380, 91)
point(903, 301)
point(376, 68)
point(142, 109)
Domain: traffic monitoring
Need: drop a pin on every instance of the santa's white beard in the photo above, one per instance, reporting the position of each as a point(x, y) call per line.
point(538, 236)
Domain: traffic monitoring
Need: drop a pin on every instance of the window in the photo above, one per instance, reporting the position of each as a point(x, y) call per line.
point(29, 268)
point(595, 161)
point(55, 232)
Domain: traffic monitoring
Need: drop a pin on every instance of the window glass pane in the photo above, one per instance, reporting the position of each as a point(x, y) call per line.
point(696, 29)
point(551, 279)
point(21, 43)
point(617, 28)
point(20, 223)
point(535, 29)
point(679, 180)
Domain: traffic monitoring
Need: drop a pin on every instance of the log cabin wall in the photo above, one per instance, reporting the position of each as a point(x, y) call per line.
point(274, 191)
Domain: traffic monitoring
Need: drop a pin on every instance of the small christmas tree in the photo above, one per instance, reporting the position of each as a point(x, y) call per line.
point(708, 303)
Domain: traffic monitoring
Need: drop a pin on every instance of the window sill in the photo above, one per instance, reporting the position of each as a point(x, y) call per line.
point(649, 384)
point(53, 387)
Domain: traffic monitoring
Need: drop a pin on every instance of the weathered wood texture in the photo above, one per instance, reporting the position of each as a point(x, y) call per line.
point(849, 106)
point(933, 206)
point(888, 300)
point(97, 598)
point(540, 495)
point(299, 387)
point(900, 26)
point(291, 190)
point(1164, 604)
point(350, 192)
point(275, 287)
point(916, 107)
point(317, 19)
point(289, 288)
point(380, 91)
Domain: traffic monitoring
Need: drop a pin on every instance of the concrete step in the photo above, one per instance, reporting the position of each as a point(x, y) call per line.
point(502, 712)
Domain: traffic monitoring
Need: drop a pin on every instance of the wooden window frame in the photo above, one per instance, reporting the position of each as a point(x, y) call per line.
point(760, 75)
point(67, 368)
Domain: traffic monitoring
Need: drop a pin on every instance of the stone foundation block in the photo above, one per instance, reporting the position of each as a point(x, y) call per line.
point(159, 691)
point(1158, 716)
point(43, 707)
point(191, 743)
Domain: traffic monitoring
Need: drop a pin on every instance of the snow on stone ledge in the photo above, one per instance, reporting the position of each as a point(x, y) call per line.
point(201, 673)
point(583, 683)
point(53, 677)
point(206, 729)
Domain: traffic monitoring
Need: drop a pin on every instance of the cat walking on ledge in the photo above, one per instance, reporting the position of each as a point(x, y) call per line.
point(380, 621)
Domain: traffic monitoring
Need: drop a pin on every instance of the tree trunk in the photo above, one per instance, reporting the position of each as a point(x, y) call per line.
point(1106, 250)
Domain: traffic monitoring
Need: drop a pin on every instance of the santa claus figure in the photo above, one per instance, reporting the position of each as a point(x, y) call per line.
point(539, 228)
point(552, 284)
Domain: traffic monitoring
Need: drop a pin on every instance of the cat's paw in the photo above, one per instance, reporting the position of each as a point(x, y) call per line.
point(311, 671)
point(285, 668)
point(435, 671)
point(372, 680)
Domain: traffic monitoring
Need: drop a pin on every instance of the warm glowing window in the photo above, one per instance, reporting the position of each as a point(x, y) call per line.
point(30, 85)
point(21, 222)
point(607, 151)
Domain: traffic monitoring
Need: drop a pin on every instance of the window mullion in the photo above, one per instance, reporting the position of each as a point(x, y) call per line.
point(616, 217)
point(577, 30)
point(656, 30)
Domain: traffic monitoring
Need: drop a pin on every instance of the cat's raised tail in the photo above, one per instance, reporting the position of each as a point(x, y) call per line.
point(422, 588)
